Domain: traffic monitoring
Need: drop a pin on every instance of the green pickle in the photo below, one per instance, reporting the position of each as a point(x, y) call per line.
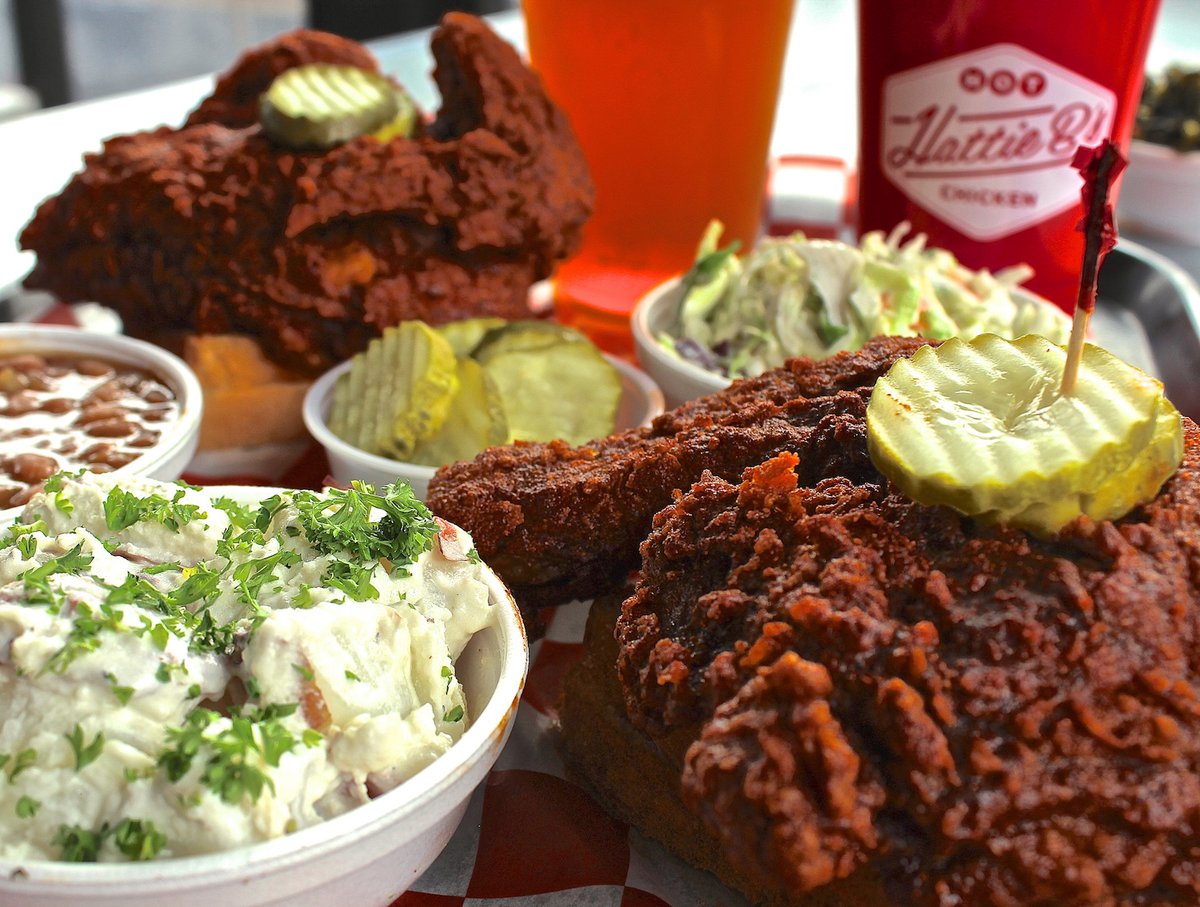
point(321, 105)
point(980, 426)
point(399, 391)
point(435, 395)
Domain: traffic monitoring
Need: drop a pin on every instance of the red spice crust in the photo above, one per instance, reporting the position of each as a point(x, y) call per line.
point(214, 228)
point(557, 521)
point(982, 717)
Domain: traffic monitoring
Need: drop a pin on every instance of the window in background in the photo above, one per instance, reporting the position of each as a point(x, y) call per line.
point(120, 45)
point(8, 46)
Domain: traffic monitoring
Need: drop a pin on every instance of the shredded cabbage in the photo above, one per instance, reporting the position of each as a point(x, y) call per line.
point(794, 296)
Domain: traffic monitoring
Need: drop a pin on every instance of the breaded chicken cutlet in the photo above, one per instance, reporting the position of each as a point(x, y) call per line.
point(558, 522)
point(215, 228)
point(832, 695)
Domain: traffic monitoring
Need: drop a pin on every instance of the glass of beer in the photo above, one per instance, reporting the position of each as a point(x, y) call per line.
point(673, 102)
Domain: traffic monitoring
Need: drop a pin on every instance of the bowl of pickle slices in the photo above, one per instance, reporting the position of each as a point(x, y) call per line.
point(420, 396)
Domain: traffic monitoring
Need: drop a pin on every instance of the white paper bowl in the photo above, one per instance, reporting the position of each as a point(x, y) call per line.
point(1160, 193)
point(679, 379)
point(363, 858)
point(641, 401)
point(166, 459)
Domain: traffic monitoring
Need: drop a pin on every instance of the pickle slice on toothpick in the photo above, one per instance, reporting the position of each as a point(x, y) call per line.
point(1025, 432)
point(980, 426)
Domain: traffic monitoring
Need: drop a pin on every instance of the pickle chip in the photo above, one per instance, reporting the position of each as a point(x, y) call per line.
point(980, 426)
point(475, 420)
point(525, 336)
point(321, 105)
point(398, 391)
point(464, 336)
point(564, 390)
point(435, 395)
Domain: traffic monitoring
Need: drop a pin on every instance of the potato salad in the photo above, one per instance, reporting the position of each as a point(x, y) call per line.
point(183, 673)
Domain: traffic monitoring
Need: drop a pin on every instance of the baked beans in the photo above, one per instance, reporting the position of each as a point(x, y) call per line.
point(61, 413)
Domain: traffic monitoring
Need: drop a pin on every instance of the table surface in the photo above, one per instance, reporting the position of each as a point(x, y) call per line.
point(817, 117)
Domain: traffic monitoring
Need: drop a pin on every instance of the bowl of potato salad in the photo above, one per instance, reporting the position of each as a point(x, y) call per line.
point(254, 694)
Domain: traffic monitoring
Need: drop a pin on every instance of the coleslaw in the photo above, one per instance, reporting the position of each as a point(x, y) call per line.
point(794, 296)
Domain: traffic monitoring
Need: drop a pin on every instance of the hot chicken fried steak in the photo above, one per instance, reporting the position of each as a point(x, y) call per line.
point(558, 521)
point(831, 695)
point(216, 228)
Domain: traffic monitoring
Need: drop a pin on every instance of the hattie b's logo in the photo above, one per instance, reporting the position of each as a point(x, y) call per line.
point(984, 140)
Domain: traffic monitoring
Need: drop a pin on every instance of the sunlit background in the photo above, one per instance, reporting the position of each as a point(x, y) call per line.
point(112, 46)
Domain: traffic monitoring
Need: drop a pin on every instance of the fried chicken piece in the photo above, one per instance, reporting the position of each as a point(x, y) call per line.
point(980, 718)
point(558, 522)
point(214, 228)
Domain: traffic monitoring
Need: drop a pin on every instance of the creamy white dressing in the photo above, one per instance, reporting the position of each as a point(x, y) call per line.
point(103, 689)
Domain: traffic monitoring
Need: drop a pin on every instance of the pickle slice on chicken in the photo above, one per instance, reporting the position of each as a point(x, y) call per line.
point(321, 105)
point(980, 426)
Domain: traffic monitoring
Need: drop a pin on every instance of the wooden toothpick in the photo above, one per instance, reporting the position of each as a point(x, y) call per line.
point(1099, 166)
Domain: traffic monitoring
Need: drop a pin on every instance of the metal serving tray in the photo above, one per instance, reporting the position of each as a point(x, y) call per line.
point(1148, 313)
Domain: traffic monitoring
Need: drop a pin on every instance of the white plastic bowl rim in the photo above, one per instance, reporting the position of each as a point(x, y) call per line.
point(64, 340)
point(648, 323)
point(316, 402)
point(438, 780)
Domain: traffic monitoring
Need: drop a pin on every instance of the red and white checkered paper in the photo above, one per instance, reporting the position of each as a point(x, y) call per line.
point(530, 838)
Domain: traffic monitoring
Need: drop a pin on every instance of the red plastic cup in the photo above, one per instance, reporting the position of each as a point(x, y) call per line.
point(971, 111)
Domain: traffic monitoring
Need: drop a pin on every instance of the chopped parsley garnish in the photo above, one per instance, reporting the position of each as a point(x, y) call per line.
point(123, 693)
point(24, 759)
point(350, 675)
point(353, 579)
point(38, 590)
point(252, 574)
point(239, 515)
point(455, 714)
point(73, 562)
point(138, 839)
point(304, 671)
point(230, 769)
point(85, 753)
point(84, 635)
point(340, 521)
point(27, 807)
point(210, 636)
point(123, 508)
point(53, 486)
point(79, 845)
point(199, 584)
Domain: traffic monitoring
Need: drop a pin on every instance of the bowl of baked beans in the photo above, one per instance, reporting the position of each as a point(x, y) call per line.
point(72, 400)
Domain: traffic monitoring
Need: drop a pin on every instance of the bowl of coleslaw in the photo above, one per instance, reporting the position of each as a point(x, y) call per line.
point(734, 316)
